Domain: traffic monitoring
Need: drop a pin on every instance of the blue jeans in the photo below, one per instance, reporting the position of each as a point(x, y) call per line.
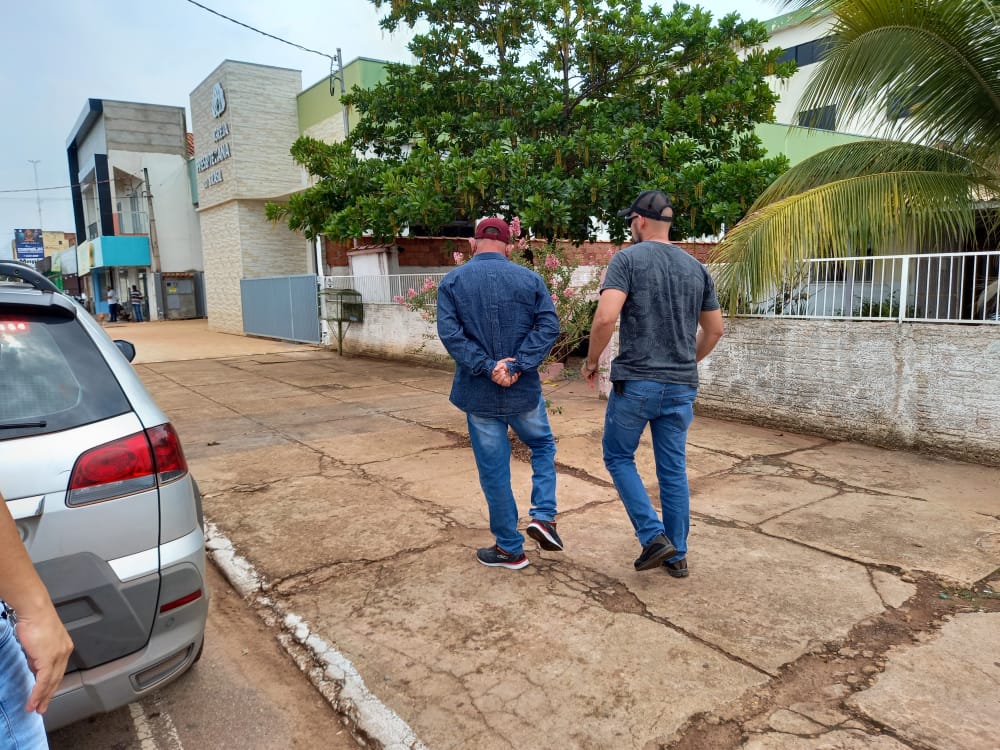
point(668, 409)
point(136, 312)
point(491, 447)
point(19, 730)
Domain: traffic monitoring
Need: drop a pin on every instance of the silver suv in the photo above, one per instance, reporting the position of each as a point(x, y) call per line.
point(96, 480)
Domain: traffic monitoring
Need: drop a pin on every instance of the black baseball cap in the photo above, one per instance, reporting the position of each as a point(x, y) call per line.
point(651, 204)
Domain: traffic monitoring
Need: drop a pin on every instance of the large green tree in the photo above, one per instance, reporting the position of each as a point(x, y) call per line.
point(937, 61)
point(558, 111)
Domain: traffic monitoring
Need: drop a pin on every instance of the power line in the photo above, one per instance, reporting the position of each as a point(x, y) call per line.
point(81, 185)
point(56, 187)
point(336, 61)
point(264, 33)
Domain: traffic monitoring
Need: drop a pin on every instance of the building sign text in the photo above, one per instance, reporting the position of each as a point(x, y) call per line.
point(217, 155)
point(214, 178)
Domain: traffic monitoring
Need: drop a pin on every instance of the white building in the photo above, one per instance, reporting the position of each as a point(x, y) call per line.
point(133, 207)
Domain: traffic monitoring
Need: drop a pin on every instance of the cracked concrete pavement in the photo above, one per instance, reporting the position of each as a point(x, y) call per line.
point(841, 596)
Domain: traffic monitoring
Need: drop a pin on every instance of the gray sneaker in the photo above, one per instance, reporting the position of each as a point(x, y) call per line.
point(654, 553)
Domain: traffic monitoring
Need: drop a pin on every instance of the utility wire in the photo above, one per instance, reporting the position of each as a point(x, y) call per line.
point(272, 36)
point(32, 190)
point(333, 60)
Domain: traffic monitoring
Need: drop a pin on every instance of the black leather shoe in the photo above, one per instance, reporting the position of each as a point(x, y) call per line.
point(677, 569)
point(654, 553)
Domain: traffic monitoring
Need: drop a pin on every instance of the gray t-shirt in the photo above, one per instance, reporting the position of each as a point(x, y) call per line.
point(667, 292)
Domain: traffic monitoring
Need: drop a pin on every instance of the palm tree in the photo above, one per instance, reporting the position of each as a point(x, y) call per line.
point(923, 183)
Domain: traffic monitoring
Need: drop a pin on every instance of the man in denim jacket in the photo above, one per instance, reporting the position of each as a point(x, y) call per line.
point(497, 321)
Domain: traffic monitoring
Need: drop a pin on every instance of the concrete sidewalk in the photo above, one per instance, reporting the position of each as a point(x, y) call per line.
point(840, 596)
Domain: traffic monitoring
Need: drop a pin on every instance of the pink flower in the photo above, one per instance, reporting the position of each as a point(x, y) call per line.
point(515, 226)
point(554, 298)
point(551, 262)
point(399, 299)
point(458, 258)
point(428, 284)
point(411, 292)
point(569, 291)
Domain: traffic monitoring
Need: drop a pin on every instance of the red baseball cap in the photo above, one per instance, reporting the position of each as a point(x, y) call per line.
point(493, 228)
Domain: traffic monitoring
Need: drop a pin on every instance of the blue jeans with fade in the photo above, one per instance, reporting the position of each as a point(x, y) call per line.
point(668, 409)
point(19, 730)
point(491, 447)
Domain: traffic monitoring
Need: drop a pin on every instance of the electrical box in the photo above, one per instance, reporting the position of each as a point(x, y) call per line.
point(345, 305)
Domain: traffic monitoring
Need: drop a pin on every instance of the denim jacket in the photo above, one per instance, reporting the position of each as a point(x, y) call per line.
point(488, 309)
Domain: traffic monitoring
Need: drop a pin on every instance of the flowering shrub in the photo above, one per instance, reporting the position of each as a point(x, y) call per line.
point(574, 298)
point(424, 301)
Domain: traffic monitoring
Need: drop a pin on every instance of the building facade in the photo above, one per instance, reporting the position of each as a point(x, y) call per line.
point(133, 206)
point(245, 121)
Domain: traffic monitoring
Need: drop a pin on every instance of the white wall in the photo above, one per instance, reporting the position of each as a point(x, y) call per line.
point(178, 231)
point(393, 332)
point(930, 387)
point(933, 387)
point(94, 143)
point(870, 123)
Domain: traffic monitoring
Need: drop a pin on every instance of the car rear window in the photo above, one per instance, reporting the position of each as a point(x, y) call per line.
point(52, 376)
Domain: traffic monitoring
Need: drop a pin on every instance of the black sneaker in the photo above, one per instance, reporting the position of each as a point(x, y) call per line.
point(678, 569)
point(544, 532)
point(655, 552)
point(498, 558)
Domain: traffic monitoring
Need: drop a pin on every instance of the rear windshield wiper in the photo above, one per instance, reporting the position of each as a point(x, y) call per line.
point(17, 425)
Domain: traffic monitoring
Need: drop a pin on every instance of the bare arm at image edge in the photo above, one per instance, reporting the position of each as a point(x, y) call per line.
point(710, 330)
point(608, 308)
point(39, 629)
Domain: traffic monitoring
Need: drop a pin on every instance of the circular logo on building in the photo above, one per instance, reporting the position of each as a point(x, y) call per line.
point(218, 100)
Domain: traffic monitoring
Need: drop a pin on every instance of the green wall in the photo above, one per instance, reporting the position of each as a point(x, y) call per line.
point(316, 104)
point(799, 143)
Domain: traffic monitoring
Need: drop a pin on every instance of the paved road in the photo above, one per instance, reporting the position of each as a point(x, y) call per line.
point(841, 595)
point(245, 693)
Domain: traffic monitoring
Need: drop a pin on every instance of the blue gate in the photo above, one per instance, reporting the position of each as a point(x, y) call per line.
point(282, 307)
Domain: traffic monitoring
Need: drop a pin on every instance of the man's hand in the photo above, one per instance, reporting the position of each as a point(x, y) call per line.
point(589, 372)
point(501, 375)
point(47, 646)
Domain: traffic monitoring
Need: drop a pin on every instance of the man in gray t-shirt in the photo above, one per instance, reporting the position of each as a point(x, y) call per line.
point(670, 320)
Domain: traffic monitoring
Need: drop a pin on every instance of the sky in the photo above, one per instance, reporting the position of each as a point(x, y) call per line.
point(55, 54)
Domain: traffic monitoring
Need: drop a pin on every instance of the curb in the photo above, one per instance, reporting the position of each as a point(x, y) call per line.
point(373, 724)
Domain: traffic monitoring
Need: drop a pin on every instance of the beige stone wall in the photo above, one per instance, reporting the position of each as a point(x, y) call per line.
point(330, 130)
point(223, 255)
point(270, 249)
point(258, 126)
point(262, 120)
point(921, 386)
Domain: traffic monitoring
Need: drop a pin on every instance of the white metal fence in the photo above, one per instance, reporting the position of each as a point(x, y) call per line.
point(960, 287)
point(381, 290)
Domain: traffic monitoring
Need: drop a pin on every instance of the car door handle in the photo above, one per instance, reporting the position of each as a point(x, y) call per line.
point(26, 507)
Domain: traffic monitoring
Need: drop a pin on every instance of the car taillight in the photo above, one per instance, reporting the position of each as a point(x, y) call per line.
point(13, 326)
point(167, 451)
point(125, 466)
